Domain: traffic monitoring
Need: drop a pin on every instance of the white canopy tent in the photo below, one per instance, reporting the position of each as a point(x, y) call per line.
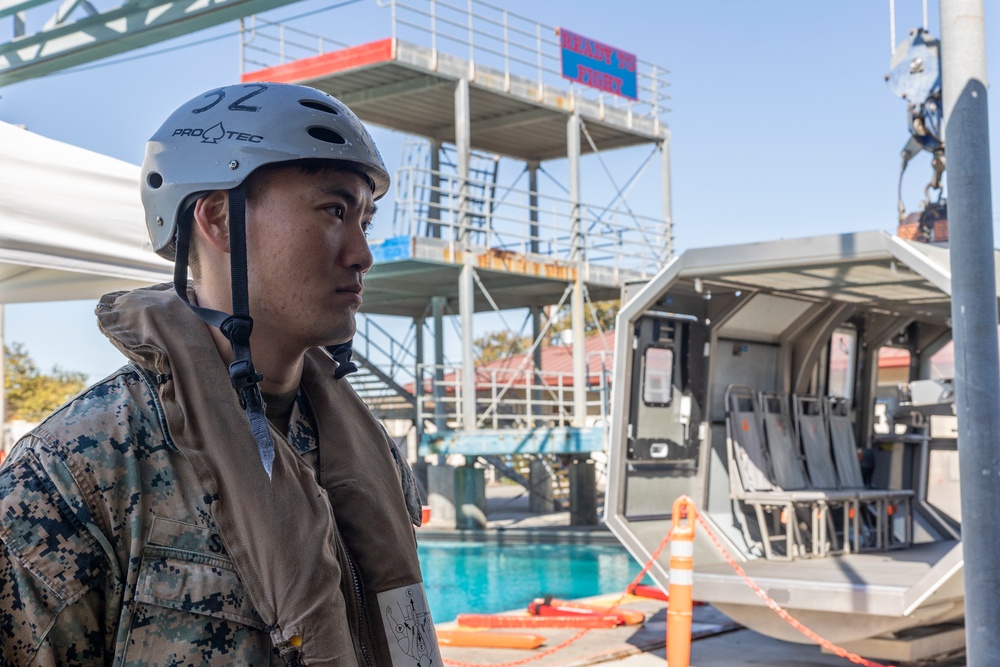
point(71, 224)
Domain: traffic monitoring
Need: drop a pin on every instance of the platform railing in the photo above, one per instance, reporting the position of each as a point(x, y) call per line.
point(612, 237)
point(507, 398)
point(265, 43)
point(492, 35)
point(484, 33)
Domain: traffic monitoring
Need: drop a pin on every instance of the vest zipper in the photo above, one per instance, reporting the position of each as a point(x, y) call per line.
point(362, 608)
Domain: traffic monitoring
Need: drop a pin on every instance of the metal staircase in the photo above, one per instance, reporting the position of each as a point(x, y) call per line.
point(435, 182)
point(385, 368)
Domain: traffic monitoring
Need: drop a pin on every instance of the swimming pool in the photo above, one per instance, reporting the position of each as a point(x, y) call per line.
point(463, 577)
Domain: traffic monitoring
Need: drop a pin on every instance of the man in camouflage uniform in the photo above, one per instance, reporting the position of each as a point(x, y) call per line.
point(162, 518)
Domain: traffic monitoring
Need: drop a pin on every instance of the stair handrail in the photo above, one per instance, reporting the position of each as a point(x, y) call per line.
point(401, 359)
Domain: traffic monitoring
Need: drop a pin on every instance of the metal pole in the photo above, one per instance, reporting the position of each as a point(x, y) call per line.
point(974, 316)
point(579, 259)
point(437, 312)
point(536, 357)
point(668, 215)
point(466, 289)
point(466, 280)
point(463, 148)
point(418, 374)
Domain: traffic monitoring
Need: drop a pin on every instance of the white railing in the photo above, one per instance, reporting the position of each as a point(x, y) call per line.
point(611, 237)
point(264, 44)
point(484, 34)
point(492, 36)
point(507, 398)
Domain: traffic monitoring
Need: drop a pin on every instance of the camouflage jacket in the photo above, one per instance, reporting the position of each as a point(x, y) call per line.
point(109, 553)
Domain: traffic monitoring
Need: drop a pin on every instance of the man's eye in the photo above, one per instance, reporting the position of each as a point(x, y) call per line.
point(336, 210)
point(367, 227)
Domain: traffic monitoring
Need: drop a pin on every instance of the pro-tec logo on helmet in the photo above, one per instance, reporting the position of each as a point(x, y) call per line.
point(216, 133)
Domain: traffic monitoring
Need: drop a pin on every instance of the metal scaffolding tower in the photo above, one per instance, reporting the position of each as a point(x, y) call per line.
point(483, 80)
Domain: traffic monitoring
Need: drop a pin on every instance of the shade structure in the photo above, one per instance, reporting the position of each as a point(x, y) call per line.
point(71, 222)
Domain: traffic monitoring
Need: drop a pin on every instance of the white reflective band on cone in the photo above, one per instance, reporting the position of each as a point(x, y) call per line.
point(682, 549)
point(681, 577)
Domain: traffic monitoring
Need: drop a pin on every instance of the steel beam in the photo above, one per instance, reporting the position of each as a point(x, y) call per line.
point(388, 91)
point(511, 120)
point(8, 7)
point(66, 43)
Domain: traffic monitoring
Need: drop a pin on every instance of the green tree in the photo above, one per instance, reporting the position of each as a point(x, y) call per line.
point(31, 394)
point(499, 344)
point(604, 312)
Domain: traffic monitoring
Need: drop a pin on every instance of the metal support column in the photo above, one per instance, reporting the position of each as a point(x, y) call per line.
point(418, 374)
point(466, 281)
point(536, 394)
point(668, 216)
point(974, 316)
point(580, 260)
point(536, 311)
point(466, 288)
point(463, 150)
point(437, 312)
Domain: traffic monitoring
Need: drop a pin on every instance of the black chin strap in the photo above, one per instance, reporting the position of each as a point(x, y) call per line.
point(236, 327)
point(342, 355)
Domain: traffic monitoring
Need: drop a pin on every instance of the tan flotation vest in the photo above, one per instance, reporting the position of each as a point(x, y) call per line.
point(328, 556)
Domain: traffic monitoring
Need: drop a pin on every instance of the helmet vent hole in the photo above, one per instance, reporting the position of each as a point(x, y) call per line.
point(326, 134)
point(154, 180)
point(318, 106)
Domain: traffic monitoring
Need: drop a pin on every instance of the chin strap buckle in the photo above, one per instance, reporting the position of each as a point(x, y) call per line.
point(244, 378)
point(342, 355)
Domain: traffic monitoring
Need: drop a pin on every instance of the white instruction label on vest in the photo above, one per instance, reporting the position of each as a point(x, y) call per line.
point(409, 629)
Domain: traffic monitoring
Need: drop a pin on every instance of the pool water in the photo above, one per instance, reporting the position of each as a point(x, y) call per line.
point(482, 578)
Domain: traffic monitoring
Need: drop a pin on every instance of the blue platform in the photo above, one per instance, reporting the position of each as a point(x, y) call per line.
point(484, 442)
point(391, 249)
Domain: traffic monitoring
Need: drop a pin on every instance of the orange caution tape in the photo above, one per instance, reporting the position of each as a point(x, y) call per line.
point(781, 612)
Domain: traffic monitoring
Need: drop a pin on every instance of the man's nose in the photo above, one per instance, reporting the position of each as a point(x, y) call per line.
point(359, 254)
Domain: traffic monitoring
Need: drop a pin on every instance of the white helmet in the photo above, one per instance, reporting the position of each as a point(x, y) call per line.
point(216, 140)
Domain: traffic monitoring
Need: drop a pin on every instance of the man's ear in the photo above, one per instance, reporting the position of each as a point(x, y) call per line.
point(211, 219)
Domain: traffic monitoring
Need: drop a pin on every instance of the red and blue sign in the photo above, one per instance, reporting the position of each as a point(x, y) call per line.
point(598, 65)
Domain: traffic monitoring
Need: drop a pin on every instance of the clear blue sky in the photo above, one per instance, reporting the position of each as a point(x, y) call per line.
point(781, 122)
